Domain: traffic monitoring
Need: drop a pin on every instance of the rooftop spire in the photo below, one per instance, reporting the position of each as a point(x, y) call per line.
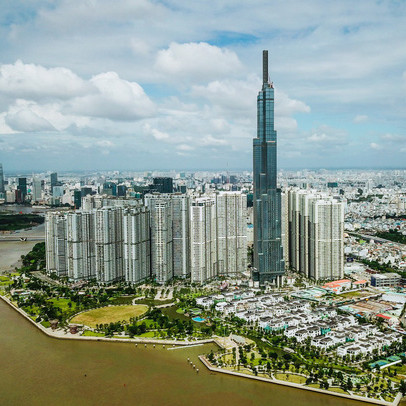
point(265, 77)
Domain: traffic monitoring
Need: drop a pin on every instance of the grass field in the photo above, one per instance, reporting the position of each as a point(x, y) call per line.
point(88, 333)
point(349, 295)
point(291, 378)
point(62, 303)
point(338, 390)
point(111, 314)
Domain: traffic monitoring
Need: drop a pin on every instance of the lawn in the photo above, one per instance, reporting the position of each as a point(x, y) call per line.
point(291, 378)
point(338, 390)
point(172, 313)
point(121, 300)
point(152, 302)
point(147, 334)
point(4, 281)
point(110, 314)
point(63, 304)
point(354, 294)
point(89, 333)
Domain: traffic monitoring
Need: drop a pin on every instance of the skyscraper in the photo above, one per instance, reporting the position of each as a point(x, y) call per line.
point(22, 187)
point(268, 264)
point(54, 180)
point(2, 189)
point(163, 185)
point(36, 190)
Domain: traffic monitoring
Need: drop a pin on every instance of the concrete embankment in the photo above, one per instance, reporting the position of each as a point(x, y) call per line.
point(210, 367)
point(67, 336)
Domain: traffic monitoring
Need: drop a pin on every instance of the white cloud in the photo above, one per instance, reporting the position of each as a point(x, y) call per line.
point(209, 140)
point(115, 99)
point(185, 147)
point(325, 137)
point(35, 82)
point(183, 68)
point(360, 118)
point(27, 121)
point(40, 99)
point(158, 135)
point(375, 146)
point(393, 138)
point(198, 62)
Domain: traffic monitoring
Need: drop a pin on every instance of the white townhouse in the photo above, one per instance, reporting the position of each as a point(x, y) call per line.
point(290, 331)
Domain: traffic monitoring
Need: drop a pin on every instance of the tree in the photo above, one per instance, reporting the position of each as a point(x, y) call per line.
point(402, 387)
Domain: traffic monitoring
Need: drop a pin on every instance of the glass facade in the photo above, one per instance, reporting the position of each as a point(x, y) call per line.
point(268, 252)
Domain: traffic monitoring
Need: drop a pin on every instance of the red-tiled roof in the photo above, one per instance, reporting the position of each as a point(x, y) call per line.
point(383, 316)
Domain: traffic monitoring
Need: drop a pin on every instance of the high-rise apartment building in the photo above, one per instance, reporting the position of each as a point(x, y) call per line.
point(137, 244)
point(326, 240)
point(109, 244)
point(55, 243)
point(175, 230)
point(268, 264)
point(2, 188)
point(203, 241)
point(80, 245)
point(316, 239)
point(231, 232)
point(285, 227)
point(180, 235)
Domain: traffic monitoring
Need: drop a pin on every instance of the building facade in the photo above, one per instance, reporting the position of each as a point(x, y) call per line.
point(2, 188)
point(231, 232)
point(316, 234)
point(203, 247)
point(137, 244)
point(269, 264)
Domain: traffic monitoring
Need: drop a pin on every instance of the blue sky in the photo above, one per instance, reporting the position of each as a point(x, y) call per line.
point(140, 84)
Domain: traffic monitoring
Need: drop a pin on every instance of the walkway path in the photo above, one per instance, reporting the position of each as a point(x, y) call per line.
point(300, 386)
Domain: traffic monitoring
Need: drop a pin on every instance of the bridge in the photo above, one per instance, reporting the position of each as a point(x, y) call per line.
point(21, 238)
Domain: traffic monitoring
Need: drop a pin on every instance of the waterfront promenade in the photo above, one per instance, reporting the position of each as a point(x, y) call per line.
point(170, 344)
point(212, 368)
point(60, 334)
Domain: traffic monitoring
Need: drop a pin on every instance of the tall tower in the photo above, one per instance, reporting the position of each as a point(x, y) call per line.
point(2, 189)
point(268, 264)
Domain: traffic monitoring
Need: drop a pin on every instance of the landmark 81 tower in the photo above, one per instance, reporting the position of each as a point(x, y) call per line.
point(268, 252)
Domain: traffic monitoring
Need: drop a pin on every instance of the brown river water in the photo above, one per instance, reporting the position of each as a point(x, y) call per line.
point(38, 370)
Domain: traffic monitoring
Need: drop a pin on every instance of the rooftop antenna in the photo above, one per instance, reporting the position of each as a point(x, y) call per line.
point(265, 76)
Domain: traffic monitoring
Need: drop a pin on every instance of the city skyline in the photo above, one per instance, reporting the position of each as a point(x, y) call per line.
point(108, 91)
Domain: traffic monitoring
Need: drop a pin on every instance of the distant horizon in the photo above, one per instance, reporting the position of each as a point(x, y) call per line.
point(222, 170)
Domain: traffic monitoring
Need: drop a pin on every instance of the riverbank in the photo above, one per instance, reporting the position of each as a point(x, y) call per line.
point(58, 334)
point(211, 368)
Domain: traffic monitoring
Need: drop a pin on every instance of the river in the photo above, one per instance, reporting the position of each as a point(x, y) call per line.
point(39, 370)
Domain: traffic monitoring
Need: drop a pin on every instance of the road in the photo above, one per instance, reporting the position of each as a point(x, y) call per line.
point(375, 238)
